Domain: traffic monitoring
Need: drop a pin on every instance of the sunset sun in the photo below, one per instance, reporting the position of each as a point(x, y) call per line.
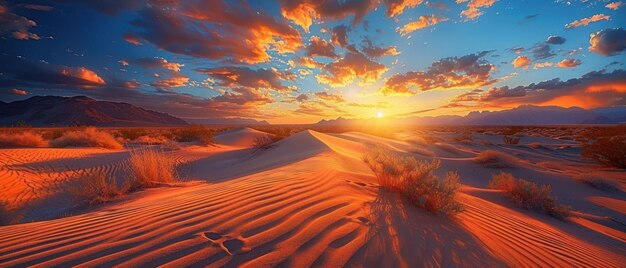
point(379, 114)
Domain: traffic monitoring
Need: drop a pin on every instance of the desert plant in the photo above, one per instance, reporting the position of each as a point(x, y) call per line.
point(600, 183)
point(510, 139)
point(529, 195)
point(132, 133)
point(86, 137)
point(464, 137)
point(606, 150)
point(150, 168)
point(21, 139)
point(416, 181)
point(494, 159)
point(512, 130)
point(194, 133)
point(96, 187)
point(170, 146)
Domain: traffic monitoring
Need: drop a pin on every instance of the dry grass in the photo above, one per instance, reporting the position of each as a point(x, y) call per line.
point(21, 139)
point(96, 187)
point(169, 146)
point(510, 139)
point(600, 183)
point(151, 168)
point(494, 159)
point(86, 137)
point(194, 133)
point(529, 195)
point(415, 180)
point(606, 149)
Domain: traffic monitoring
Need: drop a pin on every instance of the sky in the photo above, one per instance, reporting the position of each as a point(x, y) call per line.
point(300, 61)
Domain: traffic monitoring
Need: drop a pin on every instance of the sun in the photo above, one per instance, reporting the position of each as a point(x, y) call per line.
point(379, 114)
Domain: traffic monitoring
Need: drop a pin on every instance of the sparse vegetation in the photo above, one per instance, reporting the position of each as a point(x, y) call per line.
point(607, 148)
point(86, 137)
point(132, 133)
point(600, 183)
point(194, 133)
point(511, 139)
point(529, 195)
point(96, 187)
point(21, 139)
point(150, 168)
point(464, 137)
point(494, 159)
point(415, 180)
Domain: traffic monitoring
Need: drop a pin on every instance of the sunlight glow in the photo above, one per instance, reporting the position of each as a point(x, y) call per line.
point(379, 114)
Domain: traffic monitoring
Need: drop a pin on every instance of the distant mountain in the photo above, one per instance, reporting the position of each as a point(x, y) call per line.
point(46, 111)
point(522, 115)
point(226, 121)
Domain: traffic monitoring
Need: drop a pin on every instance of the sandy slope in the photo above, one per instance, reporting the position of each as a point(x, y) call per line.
point(309, 201)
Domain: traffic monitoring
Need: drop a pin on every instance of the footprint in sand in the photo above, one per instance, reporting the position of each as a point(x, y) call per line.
point(212, 236)
point(232, 246)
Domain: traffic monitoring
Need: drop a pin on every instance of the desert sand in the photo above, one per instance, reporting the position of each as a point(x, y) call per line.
point(310, 200)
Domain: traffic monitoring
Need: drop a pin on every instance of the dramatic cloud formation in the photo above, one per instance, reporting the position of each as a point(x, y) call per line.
point(319, 47)
point(521, 61)
point(421, 23)
point(449, 73)
point(20, 92)
point(568, 63)
point(233, 77)
point(608, 42)
point(17, 26)
point(396, 7)
point(233, 32)
point(305, 12)
point(473, 7)
point(614, 5)
point(329, 97)
point(245, 96)
point(157, 62)
point(586, 21)
point(593, 89)
point(351, 67)
point(84, 74)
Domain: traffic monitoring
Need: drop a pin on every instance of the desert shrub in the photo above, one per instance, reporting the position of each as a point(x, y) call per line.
point(511, 139)
point(494, 159)
point(132, 133)
point(86, 137)
point(606, 150)
point(414, 179)
point(151, 139)
point(529, 195)
point(170, 146)
point(194, 133)
point(21, 139)
point(512, 130)
point(600, 183)
point(464, 137)
point(96, 187)
point(150, 168)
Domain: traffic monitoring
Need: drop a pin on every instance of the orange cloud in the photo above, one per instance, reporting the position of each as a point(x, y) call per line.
point(396, 7)
point(353, 66)
point(305, 12)
point(473, 7)
point(20, 92)
point(319, 47)
point(619, 87)
point(132, 39)
point(614, 5)
point(608, 42)
point(84, 74)
point(177, 80)
point(329, 97)
point(542, 65)
point(521, 61)
point(421, 23)
point(230, 77)
point(373, 51)
point(568, 63)
point(123, 62)
point(586, 21)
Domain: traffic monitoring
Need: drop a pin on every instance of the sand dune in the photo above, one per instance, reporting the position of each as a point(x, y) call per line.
point(239, 137)
point(308, 201)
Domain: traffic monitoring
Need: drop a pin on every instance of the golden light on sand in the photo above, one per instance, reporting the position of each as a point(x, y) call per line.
point(379, 114)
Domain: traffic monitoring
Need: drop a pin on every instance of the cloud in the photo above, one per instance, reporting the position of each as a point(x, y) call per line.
point(132, 39)
point(110, 7)
point(232, 77)
point(555, 40)
point(608, 42)
point(521, 62)
point(15, 25)
point(396, 7)
point(158, 62)
point(473, 7)
point(614, 5)
point(302, 97)
point(542, 65)
point(593, 89)
point(123, 63)
point(319, 47)
point(305, 12)
point(349, 68)
point(19, 92)
point(321, 109)
point(421, 23)
point(232, 32)
point(339, 37)
point(373, 51)
point(245, 96)
point(175, 80)
point(83, 73)
point(568, 63)
point(38, 7)
point(542, 51)
point(306, 62)
point(448, 73)
point(586, 21)
point(330, 97)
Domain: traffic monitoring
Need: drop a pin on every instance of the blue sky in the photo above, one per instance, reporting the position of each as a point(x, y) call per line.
point(210, 59)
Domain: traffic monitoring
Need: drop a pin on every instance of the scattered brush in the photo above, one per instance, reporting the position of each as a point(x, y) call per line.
point(151, 168)
point(464, 137)
point(529, 195)
point(600, 183)
point(415, 180)
point(194, 133)
point(21, 139)
point(510, 139)
point(86, 137)
point(169, 146)
point(494, 159)
point(132, 134)
point(607, 150)
point(96, 187)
